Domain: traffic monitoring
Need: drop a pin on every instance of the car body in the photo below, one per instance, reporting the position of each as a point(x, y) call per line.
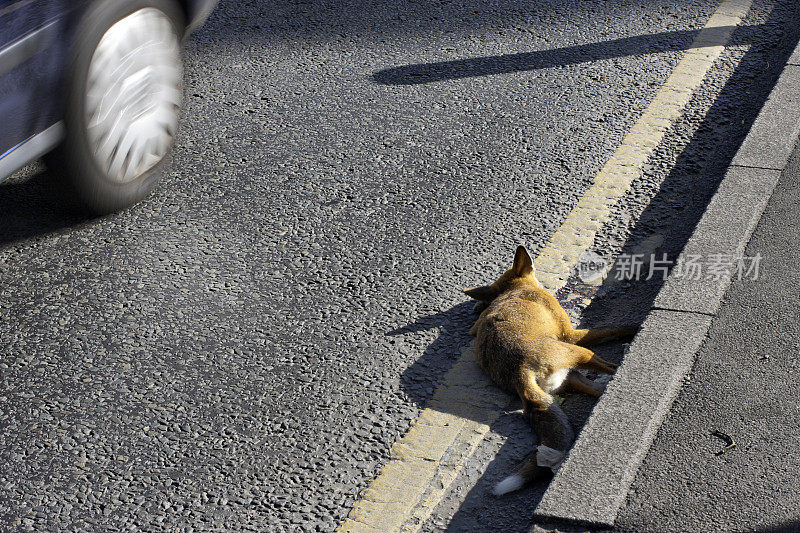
point(37, 48)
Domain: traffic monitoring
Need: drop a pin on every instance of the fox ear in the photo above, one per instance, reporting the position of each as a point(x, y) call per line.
point(485, 293)
point(522, 262)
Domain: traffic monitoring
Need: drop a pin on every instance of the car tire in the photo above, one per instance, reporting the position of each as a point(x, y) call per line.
point(123, 97)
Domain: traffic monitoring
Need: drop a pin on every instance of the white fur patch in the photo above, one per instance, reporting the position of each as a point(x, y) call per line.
point(509, 484)
point(554, 381)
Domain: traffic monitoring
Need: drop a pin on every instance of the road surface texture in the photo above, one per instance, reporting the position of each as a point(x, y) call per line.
point(240, 351)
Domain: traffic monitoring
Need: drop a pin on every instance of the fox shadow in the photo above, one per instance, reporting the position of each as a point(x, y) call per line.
point(662, 230)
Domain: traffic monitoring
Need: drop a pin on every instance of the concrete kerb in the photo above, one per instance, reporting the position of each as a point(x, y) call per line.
point(795, 59)
point(723, 231)
point(593, 482)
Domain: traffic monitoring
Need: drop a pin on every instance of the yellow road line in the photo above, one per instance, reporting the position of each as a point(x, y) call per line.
point(430, 455)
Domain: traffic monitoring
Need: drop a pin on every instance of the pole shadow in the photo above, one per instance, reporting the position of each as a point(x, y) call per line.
point(673, 41)
point(790, 526)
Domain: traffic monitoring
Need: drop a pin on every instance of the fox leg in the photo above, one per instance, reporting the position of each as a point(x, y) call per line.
point(577, 382)
point(598, 364)
point(590, 337)
point(572, 356)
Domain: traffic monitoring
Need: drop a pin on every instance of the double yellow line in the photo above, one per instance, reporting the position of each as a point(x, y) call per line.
point(426, 460)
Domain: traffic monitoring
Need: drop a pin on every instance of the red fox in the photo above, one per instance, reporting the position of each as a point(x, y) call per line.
point(527, 346)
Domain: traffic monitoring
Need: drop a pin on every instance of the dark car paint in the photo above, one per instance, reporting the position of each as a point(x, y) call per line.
point(30, 67)
point(35, 39)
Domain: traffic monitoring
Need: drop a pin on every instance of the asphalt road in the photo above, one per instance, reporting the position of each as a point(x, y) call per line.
point(240, 351)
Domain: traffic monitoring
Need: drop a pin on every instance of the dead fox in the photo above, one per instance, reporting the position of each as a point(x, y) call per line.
point(527, 346)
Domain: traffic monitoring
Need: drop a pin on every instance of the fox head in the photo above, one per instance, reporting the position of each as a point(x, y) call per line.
point(521, 273)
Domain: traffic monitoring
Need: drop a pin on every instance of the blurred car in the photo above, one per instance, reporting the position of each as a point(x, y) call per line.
point(97, 84)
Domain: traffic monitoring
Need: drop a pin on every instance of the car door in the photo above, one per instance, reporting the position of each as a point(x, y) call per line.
point(30, 57)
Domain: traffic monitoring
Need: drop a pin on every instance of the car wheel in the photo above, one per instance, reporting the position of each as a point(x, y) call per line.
point(123, 100)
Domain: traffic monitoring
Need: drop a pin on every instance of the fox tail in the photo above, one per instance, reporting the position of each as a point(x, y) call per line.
point(555, 437)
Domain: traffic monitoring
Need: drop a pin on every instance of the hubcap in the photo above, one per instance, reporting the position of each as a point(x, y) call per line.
point(134, 94)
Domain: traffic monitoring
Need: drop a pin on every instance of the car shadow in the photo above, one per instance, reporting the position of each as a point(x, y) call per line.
point(35, 203)
point(663, 227)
